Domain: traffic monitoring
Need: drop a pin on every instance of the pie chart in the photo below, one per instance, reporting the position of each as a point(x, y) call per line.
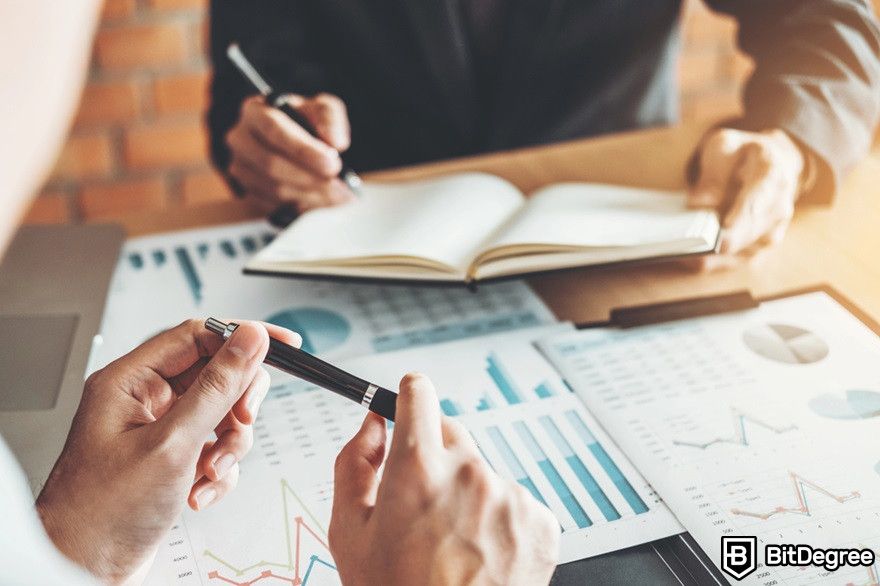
point(321, 330)
point(854, 404)
point(786, 344)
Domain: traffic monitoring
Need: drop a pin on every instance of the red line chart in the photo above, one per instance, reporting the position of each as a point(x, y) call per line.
point(800, 486)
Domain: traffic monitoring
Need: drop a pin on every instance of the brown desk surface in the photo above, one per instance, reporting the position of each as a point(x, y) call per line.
point(837, 245)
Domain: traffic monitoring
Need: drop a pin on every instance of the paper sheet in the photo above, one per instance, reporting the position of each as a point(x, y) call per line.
point(165, 279)
point(758, 423)
point(530, 428)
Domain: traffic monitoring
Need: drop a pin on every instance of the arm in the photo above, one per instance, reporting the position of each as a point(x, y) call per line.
point(817, 77)
point(274, 37)
point(41, 84)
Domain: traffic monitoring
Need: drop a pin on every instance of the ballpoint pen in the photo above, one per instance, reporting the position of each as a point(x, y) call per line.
point(279, 100)
point(312, 369)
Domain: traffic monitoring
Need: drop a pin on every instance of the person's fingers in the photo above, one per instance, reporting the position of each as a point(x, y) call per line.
point(205, 492)
point(231, 446)
point(719, 157)
point(754, 211)
point(417, 421)
point(274, 128)
point(330, 118)
point(248, 406)
point(355, 482)
point(457, 437)
point(219, 384)
point(173, 351)
point(274, 166)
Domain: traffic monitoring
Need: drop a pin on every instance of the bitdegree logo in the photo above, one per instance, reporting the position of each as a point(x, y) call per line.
point(805, 555)
point(739, 556)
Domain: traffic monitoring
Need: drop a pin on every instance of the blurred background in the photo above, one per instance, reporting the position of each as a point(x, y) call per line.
point(139, 143)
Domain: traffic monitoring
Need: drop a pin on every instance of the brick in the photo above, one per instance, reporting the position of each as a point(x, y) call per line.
point(85, 156)
point(204, 186)
point(133, 47)
point(166, 145)
point(177, 4)
point(104, 200)
point(117, 9)
point(51, 207)
point(105, 103)
point(187, 93)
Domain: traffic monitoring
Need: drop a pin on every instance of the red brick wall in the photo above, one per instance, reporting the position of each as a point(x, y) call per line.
point(138, 142)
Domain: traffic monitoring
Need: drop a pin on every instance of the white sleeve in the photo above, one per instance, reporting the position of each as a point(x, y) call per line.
point(27, 555)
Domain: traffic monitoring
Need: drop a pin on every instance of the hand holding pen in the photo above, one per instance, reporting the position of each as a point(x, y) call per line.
point(285, 149)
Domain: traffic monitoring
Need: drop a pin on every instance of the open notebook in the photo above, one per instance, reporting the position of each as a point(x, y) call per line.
point(475, 226)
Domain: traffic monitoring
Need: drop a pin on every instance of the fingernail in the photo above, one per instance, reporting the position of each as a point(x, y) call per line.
point(253, 402)
point(223, 464)
point(206, 497)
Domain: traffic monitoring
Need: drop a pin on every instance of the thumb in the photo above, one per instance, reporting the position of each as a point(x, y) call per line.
point(219, 384)
point(355, 482)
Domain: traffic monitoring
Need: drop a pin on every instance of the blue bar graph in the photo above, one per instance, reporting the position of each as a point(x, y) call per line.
point(267, 238)
point(614, 473)
point(543, 390)
point(513, 463)
point(577, 465)
point(189, 272)
point(502, 380)
point(136, 260)
point(249, 244)
point(228, 248)
point(159, 257)
point(485, 403)
point(450, 407)
point(565, 495)
point(203, 249)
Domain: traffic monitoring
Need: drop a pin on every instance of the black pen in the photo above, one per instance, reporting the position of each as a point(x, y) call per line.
point(312, 369)
point(278, 100)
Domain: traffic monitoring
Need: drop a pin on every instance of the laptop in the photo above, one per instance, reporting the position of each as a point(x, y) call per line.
point(53, 284)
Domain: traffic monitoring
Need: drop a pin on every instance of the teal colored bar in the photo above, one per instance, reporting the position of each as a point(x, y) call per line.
point(203, 250)
point(136, 260)
point(483, 405)
point(580, 470)
point(568, 499)
point(159, 257)
point(623, 485)
point(543, 391)
point(513, 463)
point(502, 380)
point(249, 244)
point(449, 408)
point(228, 249)
point(189, 272)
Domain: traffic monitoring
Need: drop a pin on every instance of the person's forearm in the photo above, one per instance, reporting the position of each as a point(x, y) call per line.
point(42, 81)
point(817, 77)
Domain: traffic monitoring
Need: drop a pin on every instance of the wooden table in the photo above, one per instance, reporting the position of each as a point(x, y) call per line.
point(838, 245)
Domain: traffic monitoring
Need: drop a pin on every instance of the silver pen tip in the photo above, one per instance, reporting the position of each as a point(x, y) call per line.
point(354, 182)
point(215, 325)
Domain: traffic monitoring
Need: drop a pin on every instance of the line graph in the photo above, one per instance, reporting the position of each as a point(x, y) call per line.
point(740, 436)
point(800, 486)
point(293, 534)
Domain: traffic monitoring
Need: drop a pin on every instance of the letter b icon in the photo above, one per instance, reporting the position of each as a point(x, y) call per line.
point(739, 556)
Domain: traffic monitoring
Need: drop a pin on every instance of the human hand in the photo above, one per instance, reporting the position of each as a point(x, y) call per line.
point(760, 173)
point(439, 515)
point(139, 447)
point(276, 161)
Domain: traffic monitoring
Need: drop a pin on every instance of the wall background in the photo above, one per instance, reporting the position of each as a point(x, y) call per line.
point(138, 141)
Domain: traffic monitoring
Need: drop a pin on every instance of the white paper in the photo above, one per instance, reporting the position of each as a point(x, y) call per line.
point(162, 280)
point(761, 423)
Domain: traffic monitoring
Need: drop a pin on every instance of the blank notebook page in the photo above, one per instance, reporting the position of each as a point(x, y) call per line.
point(442, 219)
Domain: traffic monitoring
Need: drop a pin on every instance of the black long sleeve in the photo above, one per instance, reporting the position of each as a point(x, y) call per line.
point(817, 76)
point(274, 35)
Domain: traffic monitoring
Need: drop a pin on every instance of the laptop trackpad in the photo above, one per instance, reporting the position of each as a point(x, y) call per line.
point(33, 358)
